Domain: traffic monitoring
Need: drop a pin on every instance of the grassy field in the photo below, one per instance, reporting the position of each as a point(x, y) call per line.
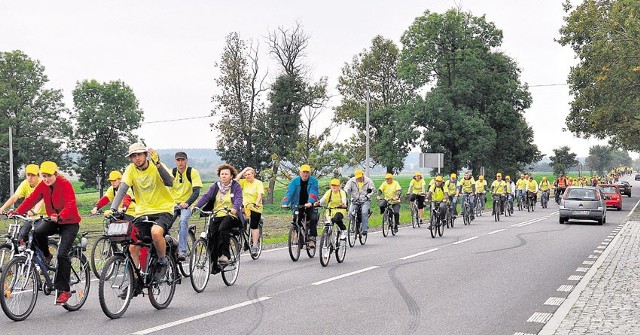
point(276, 219)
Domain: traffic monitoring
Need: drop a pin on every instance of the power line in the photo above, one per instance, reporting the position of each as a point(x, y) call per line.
point(545, 85)
point(182, 119)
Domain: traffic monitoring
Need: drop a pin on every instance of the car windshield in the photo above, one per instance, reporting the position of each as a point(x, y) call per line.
point(609, 189)
point(581, 194)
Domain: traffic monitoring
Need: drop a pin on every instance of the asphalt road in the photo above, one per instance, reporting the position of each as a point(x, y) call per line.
point(486, 278)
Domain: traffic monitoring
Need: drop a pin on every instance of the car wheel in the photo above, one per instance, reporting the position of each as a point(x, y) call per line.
point(604, 219)
point(619, 208)
point(561, 220)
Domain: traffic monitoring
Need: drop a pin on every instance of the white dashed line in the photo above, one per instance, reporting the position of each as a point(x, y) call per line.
point(553, 301)
point(419, 254)
point(575, 277)
point(199, 316)
point(565, 288)
point(521, 333)
point(582, 269)
point(588, 262)
point(601, 247)
point(540, 317)
point(592, 257)
point(496, 231)
point(466, 240)
point(344, 275)
point(597, 251)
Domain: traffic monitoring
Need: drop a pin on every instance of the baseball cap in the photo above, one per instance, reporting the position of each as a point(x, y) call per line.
point(136, 148)
point(453, 175)
point(439, 178)
point(334, 181)
point(498, 174)
point(32, 169)
point(358, 173)
point(305, 168)
point(48, 167)
point(388, 176)
point(113, 175)
point(418, 173)
point(181, 155)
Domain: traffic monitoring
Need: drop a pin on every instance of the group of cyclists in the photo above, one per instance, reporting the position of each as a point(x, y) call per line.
point(149, 188)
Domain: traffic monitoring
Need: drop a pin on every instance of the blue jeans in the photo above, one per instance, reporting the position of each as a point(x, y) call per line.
point(364, 213)
point(183, 229)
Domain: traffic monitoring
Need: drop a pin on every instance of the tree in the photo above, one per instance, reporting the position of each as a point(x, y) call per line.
point(603, 158)
point(37, 116)
point(106, 115)
point(605, 83)
point(393, 101)
point(474, 110)
point(563, 160)
point(239, 106)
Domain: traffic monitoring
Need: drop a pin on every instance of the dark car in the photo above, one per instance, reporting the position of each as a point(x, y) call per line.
point(625, 188)
point(638, 176)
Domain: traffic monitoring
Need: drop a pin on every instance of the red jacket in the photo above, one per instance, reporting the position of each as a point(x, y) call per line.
point(59, 198)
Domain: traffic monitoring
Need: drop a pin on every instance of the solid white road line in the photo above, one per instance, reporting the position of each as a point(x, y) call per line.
point(344, 275)
point(466, 240)
point(199, 316)
point(496, 231)
point(419, 254)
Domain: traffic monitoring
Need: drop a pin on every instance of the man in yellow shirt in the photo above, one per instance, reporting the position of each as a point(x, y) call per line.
point(185, 191)
point(150, 180)
point(521, 189)
point(25, 189)
point(439, 196)
point(467, 187)
point(417, 191)
point(451, 187)
point(545, 187)
point(532, 190)
point(389, 193)
point(499, 190)
point(481, 190)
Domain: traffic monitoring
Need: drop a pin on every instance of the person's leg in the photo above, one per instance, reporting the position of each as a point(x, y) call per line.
point(224, 233)
point(183, 230)
point(43, 229)
point(338, 220)
point(396, 214)
point(254, 225)
point(68, 234)
point(420, 200)
point(364, 212)
point(383, 205)
point(212, 236)
point(313, 222)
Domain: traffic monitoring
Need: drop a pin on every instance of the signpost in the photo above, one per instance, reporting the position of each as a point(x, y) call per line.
point(432, 160)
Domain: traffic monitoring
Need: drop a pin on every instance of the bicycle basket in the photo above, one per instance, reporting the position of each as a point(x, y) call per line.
point(119, 231)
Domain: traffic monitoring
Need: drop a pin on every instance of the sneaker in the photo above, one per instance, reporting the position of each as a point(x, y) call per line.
point(395, 228)
point(223, 260)
point(343, 235)
point(312, 244)
point(63, 297)
point(182, 256)
point(161, 270)
point(255, 249)
point(364, 233)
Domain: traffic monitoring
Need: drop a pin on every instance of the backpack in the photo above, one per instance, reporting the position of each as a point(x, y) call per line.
point(174, 172)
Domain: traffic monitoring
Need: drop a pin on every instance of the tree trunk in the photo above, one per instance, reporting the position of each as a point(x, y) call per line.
point(272, 183)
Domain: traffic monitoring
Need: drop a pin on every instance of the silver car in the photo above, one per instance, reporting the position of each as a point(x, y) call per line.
point(583, 203)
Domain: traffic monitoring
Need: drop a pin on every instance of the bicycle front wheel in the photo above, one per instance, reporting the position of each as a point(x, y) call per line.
point(325, 247)
point(6, 252)
point(466, 216)
point(341, 248)
point(414, 215)
point(161, 291)
point(80, 282)
point(433, 229)
point(230, 272)
point(294, 243)
point(184, 266)
point(351, 231)
point(101, 251)
point(385, 224)
point(116, 285)
point(199, 265)
point(19, 288)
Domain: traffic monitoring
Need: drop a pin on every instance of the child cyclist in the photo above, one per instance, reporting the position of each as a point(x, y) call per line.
point(336, 200)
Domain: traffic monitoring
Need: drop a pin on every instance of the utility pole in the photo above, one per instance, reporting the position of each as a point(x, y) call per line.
point(367, 138)
point(11, 181)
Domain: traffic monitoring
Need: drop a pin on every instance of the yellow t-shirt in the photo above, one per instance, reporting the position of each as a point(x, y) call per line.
point(111, 193)
point(521, 184)
point(466, 185)
point(498, 187)
point(450, 186)
point(390, 191)
point(24, 190)
point(532, 186)
point(334, 199)
point(223, 201)
point(417, 187)
point(481, 186)
point(152, 196)
point(181, 191)
point(250, 192)
point(437, 193)
point(545, 185)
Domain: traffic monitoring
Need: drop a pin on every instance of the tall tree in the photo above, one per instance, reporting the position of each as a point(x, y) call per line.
point(374, 73)
point(603, 158)
point(605, 84)
point(106, 115)
point(36, 114)
point(239, 105)
point(562, 160)
point(474, 110)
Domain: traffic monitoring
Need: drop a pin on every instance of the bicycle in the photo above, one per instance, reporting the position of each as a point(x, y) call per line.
point(466, 210)
point(202, 259)
point(544, 199)
point(299, 235)
point(508, 203)
point(558, 192)
point(21, 279)
point(481, 200)
point(248, 239)
point(329, 244)
point(10, 247)
point(354, 227)
point(102, 250)
point(183, 264)
point(496, 207)
point(531, 202)
point(520, 200)
point(121, 279)
point(388, 221)
point(436, 224)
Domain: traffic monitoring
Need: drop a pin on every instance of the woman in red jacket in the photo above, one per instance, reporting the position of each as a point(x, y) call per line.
point(64, 219)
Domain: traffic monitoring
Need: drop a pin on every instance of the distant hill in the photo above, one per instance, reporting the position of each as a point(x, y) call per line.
point(206, 161)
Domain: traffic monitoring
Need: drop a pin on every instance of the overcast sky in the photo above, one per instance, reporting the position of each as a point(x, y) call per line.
point(166, 50)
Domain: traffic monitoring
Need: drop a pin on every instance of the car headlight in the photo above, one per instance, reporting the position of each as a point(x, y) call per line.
point(599, 208)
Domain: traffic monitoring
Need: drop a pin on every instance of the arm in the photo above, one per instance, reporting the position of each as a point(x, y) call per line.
point(32, 199)
point(194, 195)
point(12, 200)
point(237, 197)
point(122, 191)
point(286, 201)
point(167, 180)
point(207, 196)
point(313, 190)
point(69, 201)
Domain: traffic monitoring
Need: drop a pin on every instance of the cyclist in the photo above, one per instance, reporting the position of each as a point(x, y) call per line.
point(511, 189)
point(337, 199)
point(499, 187)
point(185, 190)
point(25, 189)
point(389, 193)
point(532, 189)
point(545, 187)
point(481, 189)
point(358, 188)
point(115, 177)
point(451, 186)
point(521, 189)
point(467, 187)
point(252, 193)
point(560, 185)
point(64, 219)
point(417, 190)
point(439, 197)
point(226, 193)
point(303, 191)
point(147, 176)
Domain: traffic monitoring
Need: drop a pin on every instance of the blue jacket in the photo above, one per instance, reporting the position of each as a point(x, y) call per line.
point(292, 196)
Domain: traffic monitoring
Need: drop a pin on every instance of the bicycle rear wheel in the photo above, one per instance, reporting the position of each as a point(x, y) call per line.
point(80, 282)
point(19, 288)
point(115, 288)
point(496, 210)
point(256, 255)
point(184, 265)
point(351, 231)
point(230, 272)
point(161, 291)
point(101, 251)
point(199, 265)
point(393, 225)
point(294, 243)
point(341, 249)
point(325, 247)
point(466, 216)
point(441, 228)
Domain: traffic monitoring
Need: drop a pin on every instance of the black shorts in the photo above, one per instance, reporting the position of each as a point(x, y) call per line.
point(420, 199)
point(164, 220)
